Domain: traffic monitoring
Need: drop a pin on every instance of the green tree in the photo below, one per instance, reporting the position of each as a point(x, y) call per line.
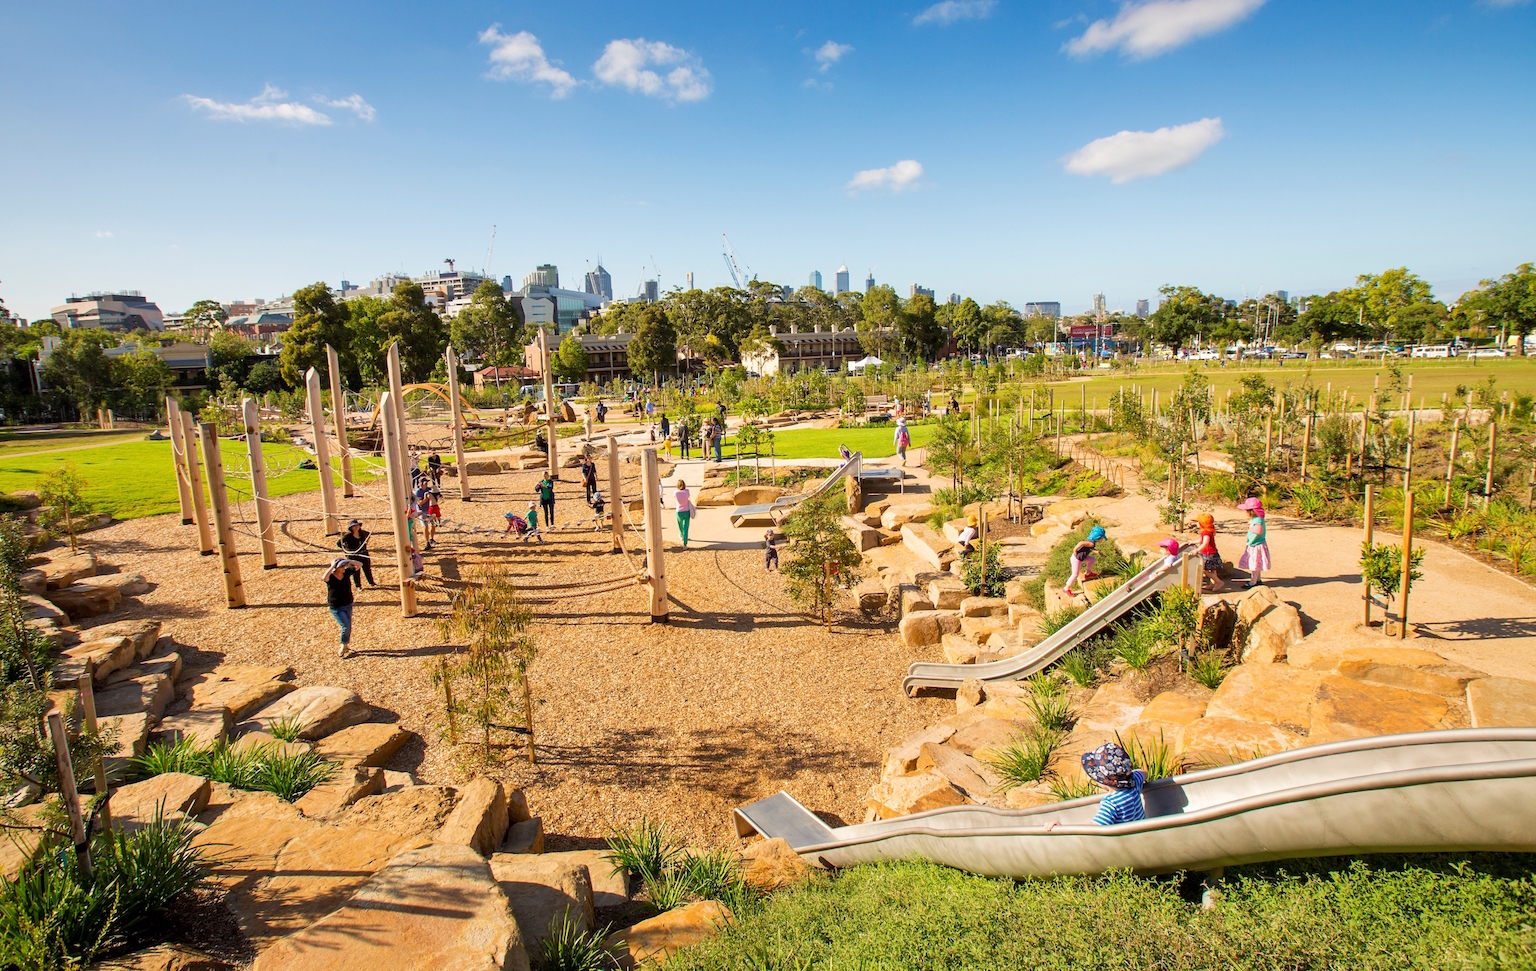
point(370, 348)
point(653, 350)
point(490, 328)
point(229, 353)
point(63, 492)
point(1185, 312)
point(491, 670)
point(318, 320)
point(821, 559)
point(208, 314)
point(1385, 296)
point(1329, 318)
point(79, 370)
point(879, 315)
point(965, 322)
point(141, 379)
point(1509, 301)
point(421, 332)
point(264, 376)
point(570, 360)
point(918, 329)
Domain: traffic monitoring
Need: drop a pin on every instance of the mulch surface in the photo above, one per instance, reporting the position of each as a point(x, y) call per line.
point(737, 697)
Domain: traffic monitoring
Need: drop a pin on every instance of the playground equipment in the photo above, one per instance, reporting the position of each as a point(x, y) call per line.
point(773, 513)
point(1165, 572)
point(1429, 792)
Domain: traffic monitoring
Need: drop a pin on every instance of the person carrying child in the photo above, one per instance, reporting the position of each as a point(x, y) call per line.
point(1255, 558)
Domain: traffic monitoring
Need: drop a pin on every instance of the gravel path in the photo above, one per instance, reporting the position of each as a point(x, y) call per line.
point(738, 697)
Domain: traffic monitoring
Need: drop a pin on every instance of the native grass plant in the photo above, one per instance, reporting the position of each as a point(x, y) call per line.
point(650, 856)
point(62, 492)
point(257, 768)
point(1074, 787)
point(486, 681)
point(1137, 643)
point(52, 916)
point(1081, 665)
point(1209, 668)
point(1043, 684)
point(1053, 712)
point(984, 574)
point(1155, 757)
point(1054, 620)
point(1027, 756)
point(286, 729)
point(1033, 592)
point(821, 560)
point(569, 948)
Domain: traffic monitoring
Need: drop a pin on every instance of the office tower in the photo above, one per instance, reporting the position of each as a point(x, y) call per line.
point(690, 279)
point(598, 282)
point(918, 291)
point(543, 275)
point(816, 279)
point(954, 298)
point(869, 283)
point(652, 291)
point(1099, 312)
point(840, 284)
point(1141, 309)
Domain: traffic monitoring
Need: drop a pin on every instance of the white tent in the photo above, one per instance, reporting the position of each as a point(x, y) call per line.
point(870, 361)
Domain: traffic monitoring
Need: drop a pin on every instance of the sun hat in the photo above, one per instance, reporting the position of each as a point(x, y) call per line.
point(1252, 504)
point(509, 515)
point(1171, 545)
point(355, 522)
point(970, 520)
point(1206, 521)
point(1095, 534)
point(336, 563)
point(531, 504)
point(1108, 765)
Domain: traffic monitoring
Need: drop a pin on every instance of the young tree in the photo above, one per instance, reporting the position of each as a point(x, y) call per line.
point(570, 360)
point(490, 618)
point(63, 492)
point(821, 558)
point(951, 451)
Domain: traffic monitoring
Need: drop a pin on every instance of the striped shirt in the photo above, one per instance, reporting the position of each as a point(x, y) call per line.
point(1122, 805)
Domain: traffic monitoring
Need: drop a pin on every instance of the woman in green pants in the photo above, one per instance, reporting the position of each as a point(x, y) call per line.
point(684, 510)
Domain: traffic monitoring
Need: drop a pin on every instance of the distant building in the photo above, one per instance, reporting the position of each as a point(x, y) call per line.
point(918, 291)
point(652, 291)
point(599, 282)
point(454, 287)
point(260, 324)
point(1043, 308)
point(607, 356)
point(869, 283)
point(954, 298)
point(815, 280)
point(840, 281)
point(543, 275)
point(1099, 311)
point(1141, 309)
point(806, 350)
point(189, 363)
point(239, 308)
point(511, 376)
point(690, 280)
point(1280, 297)
point(120, 310)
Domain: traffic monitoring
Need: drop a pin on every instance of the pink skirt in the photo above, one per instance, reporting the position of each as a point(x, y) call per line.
point(1255, 558)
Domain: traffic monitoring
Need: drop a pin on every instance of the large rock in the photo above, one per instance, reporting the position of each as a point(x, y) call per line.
point(80, 601)
point(1073, 511)
point(480, 819)
point(168, 665)
point(1502, 703)
point(902, 757)
point(965, 773)
point(1176, 707)
point(320, 709)
point(984, 607)
point(610, 887)
point(970, 694)
point(1112, 708)
point(65, 569)
point(368, 744)
point(1270, 694)
point(912, 597)
point(654, 941)
point(148, 694)
point(772, 864)
point(896, 516)
point(947, 592)
point(544, 893)
point(920, 792)
point(756, 495)
point(345, 786)
point(1272, 635)
point(984, 738)
point(412, 811)
point(110, 655)
point(871, 596)
point(525, 836)
point(1216, 740)
point(143, 633)
point(928, 627)
point(165, 794)
point(1343, 708)
point(436, 908)
point(203, 727)
point(1408, 668)
point(863, 538)
point(132, 732)
point(126, 584)
point(164, 957)
point(1216, 624)
point(927, 545)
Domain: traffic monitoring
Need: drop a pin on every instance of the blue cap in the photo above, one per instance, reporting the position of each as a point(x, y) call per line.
point(1095, 534)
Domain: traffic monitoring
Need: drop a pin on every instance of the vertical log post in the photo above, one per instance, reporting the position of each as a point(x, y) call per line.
point(1402, 613)
point(1493, 445)
point(111, 422)
point(616, 491)
point(70, 794)
point(259, 485)
point(1408, 458)
point(195, 481)
point(397, 480)
point(549, 403)
point(87, 687)
point(457, 413)
point(1306, 443)
point(339, 419)
point(1450, 466)
point(402, 436)
point(234, 590)
point(179, 459)
point(1269, 433)
point(1370, 532)
point(322, 450)
point(655, 562)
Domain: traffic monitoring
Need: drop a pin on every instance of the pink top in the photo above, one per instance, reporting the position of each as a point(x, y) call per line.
point(684, 501)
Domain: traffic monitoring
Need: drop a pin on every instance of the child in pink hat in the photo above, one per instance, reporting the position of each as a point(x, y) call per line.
point(1255, 558)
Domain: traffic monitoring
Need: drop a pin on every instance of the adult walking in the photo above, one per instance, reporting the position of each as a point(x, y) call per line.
point(546, 490)
point(339, 578)
point(589, 476)
point(684, 510)
point(719, 437)
point(682, 437)
point(354, 543)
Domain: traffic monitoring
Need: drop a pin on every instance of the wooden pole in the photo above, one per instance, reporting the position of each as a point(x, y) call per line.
point(549, 403)
point(1408, 458)
point(179, 459)
point(1493, 444)
point(70, 794)
point(339, 419)
point(195, 481)
point(402, 434)
point(1269, 431)
point(1402, 613)
point(1370, 529)
point(616, 491)
point(398, 481)
point(259, 485)
point(87, 687)
point(111, 422)
point(655, 556)
point(1306, 443)
point(456, 410)
point(322, 451)
point(234, 590)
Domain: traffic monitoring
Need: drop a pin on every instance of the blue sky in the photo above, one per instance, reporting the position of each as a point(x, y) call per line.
point(191, 150)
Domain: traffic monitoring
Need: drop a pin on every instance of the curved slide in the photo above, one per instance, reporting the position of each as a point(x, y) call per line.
point(1157, 577)
point(771, 513)
point(1448, 791)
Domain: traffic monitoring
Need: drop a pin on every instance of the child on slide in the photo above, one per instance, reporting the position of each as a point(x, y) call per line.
point(1111, 767)
point(1083, 561)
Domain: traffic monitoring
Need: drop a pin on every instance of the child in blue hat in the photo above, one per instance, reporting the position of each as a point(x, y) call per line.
point(1083, 561)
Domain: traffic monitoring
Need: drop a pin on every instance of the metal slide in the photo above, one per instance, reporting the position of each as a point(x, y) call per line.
point(1449, 791)
point(1157, 577)
point(772, 513)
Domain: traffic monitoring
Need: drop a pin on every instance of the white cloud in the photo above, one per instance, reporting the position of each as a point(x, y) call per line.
point(830, 53)
point(1137, 154)
point(518, 57)
point(950, 11)
point(899, 177)
point(103, 234)
point(267, 106)
point(1154, 27)
point(625, 64)
point(353, 103)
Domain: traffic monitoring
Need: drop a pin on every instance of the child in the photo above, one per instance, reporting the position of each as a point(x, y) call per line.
point(1110, 767)
point(1170, 546)
point(1255, 558)
point(1208, 554)
point(770, 552)
point(516, 525)
point(684, 510)
point(434, 515)
point(597, 508)
point(1082, 560)
point(903, 440)
point(967, 536)
point(533, 524)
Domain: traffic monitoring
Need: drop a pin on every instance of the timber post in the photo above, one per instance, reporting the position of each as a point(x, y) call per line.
point(195, 481)
point(457, 413)
point(396, 474)
point(616, 491)
point(322, 451)
point(234, 590)
point(179, 459)
point(259, 485)
point(655, 554)
point(339, 419)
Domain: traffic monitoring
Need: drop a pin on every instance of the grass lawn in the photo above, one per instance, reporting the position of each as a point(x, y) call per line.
point(1398, 913)
point(13, 443)
point(821, 443)
point(133, 478)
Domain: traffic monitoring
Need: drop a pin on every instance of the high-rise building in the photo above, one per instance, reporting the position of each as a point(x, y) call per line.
point(652, 291)
point(1099, 312)
point(840, 282)
point(117, 310)
point(869, 282)
point(690, 280)
point(543, 275)
point(815, 280)
point(598, 282)
point(954, 298)
point(1141, 309)
point(920, 291)
point(1281, 296)
point(1043, 308)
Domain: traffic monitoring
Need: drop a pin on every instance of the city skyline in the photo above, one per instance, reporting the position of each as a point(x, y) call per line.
point(1241, 146)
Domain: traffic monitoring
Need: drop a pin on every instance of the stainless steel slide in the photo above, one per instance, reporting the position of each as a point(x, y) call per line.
point(1159, 576)
point(1460, 790)
point(771, 513)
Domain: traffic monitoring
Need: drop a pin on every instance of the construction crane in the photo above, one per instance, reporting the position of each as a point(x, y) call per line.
point(738, 275)
point(490, 250)
point(450, 265)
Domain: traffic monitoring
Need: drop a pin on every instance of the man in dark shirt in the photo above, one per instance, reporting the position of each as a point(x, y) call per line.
point(343, 573)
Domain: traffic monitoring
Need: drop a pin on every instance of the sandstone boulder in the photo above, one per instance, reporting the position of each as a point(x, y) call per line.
point(367, 744)
point(927, 545)
point(203, 727)
point(80, 600)
point(771, 865)
point(871, 596)
point(126, 584)
point(320, 709)
point(346, 786)
point(1216, 740)
point(1408, 668)
point(654, 941)
point(413, 811)
point(110, 655)
point(437, 907)
point(928, 627)
point(148, 694)
point(896, 516)
point(1217, 621)
point(902, 757)
point(1176, 707)
point(912, 598)
point(544, 892)
point(525, 836)
point(970, 694)
point(1270, 694)
point(756, 495)
point(164, 957)
point(165, 794)
point(143, 633)
point(984, 607)
point(1343, 708)
point(947, 592)
point(168, 665)
point(1272, 634)
point(65, 569)
point(1252, 603)
point(132, 739)
point(610, 887)
point(984, 738)
point(479, 820)
point(1502, 703)
point(976, 780)
point(901, 795)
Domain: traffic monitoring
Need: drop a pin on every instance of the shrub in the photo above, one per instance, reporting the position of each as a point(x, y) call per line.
point(985, 578)
point(1051, 711)
point(1155, 758)
point(63, 492)
point(821, 557)
point(1080, 666)
point(1026, 757)
point(671, 876)
point(1055, 620)
point(266, 768)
